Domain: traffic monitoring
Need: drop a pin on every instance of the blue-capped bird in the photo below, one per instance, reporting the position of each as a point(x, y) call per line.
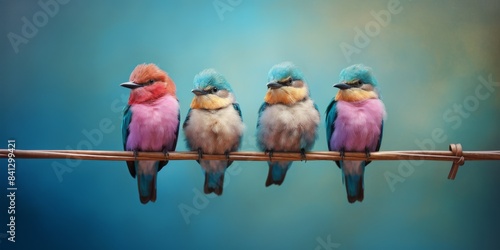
point(213, 125)
point(288, 119)
point(150, 123)
point(354, 122)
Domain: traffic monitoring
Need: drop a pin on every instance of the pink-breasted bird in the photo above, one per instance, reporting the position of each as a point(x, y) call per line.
point(354, 122)
point(150, 123)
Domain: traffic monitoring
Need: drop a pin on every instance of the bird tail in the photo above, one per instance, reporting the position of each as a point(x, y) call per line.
point(353, 175)
point(277, 172)
point(146, 180)
point(214, 183)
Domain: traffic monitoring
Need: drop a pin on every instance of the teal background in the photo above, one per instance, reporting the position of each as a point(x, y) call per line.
point(428, 59)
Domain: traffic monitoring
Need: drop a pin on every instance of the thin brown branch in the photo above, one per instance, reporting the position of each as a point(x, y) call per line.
point(250, 156)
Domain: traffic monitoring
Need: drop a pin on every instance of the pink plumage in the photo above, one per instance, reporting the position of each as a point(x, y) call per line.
point(355, 119)
point(150, 123)
point(358, 125)
point(145, 133)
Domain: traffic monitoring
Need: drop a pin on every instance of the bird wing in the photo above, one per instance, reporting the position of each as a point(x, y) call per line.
point(174, 144)
point(316, 107)
point(176, 130)
point(380, 137)
point(185, 124)
point(261, 110)
point(331, 116)
point(236, 106)
point(127, 117)
point(379, 142)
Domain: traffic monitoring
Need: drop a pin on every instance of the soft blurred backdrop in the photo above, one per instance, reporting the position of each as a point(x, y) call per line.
point(437, 63)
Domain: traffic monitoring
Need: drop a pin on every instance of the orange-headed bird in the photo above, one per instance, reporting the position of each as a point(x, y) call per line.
point(150, 123)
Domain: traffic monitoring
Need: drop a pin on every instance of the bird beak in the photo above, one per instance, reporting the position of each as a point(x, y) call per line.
point(274, 85)
point(130, 85)
point(199, 92)
point(342, 86)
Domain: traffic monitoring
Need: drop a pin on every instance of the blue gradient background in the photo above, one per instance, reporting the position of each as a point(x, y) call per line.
point(427, 59)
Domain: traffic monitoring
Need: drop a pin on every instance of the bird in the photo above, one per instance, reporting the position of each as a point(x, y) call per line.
point(150, 123)
point(354, 122)
point(288, 119)
point(213, 125)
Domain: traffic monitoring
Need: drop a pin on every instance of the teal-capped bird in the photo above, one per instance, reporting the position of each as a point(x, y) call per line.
point(213, 125)
point(288, 119)
point(354, 122)
point(150, 123)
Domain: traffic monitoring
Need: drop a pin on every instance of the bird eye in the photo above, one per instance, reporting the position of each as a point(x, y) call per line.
point(287, 82)
point(356, 83)
point(151, 81)
point(214, 90)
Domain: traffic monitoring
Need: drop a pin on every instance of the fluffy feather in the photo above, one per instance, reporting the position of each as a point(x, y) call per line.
point(288, 128)
point(358, 71)
point(288, 118)
point(213, 125)
point(150, 123)
point(153, 125)
point(156, 84)
point(355, 123)
point(358, 125)
point(214, 131)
